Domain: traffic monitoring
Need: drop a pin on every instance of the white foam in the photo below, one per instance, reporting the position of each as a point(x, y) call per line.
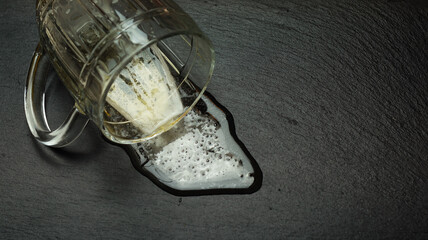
point(145, 92)
point(194, 155)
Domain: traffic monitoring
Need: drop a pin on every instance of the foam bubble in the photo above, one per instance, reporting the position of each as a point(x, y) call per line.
point(196, 153)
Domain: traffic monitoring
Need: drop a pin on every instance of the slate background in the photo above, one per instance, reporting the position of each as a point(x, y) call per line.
point(330, 97)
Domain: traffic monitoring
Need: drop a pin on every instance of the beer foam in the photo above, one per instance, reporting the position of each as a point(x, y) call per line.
point(145, 94)
point(195, 155)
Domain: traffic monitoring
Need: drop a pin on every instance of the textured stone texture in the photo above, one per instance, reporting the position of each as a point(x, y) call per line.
point(330, 97)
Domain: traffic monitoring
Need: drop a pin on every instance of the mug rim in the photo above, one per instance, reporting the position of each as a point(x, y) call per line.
point(100, 107)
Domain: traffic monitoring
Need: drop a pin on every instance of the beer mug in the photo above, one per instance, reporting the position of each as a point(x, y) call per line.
point(133, 67)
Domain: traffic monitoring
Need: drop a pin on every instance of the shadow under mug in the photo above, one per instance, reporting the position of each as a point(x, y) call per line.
point(134, 67)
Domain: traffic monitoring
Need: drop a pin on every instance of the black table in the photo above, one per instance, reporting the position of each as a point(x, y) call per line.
point(330, 97)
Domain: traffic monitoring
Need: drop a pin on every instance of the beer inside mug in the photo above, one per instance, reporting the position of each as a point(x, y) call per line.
point(154, 90)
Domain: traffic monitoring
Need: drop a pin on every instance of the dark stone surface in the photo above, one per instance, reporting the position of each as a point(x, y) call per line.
point(330, 97)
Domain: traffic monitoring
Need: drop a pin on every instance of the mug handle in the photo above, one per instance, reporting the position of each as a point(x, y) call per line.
point(34, 104)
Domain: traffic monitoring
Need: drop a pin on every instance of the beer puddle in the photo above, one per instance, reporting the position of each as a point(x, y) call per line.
point(199, 155)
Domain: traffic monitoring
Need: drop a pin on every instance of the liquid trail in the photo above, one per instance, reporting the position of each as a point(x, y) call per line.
point(200, 155)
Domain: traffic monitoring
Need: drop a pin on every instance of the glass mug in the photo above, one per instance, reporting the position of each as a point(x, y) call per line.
point(133, 67)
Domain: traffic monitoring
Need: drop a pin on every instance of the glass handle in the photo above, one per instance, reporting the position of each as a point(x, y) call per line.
point(34, 103)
